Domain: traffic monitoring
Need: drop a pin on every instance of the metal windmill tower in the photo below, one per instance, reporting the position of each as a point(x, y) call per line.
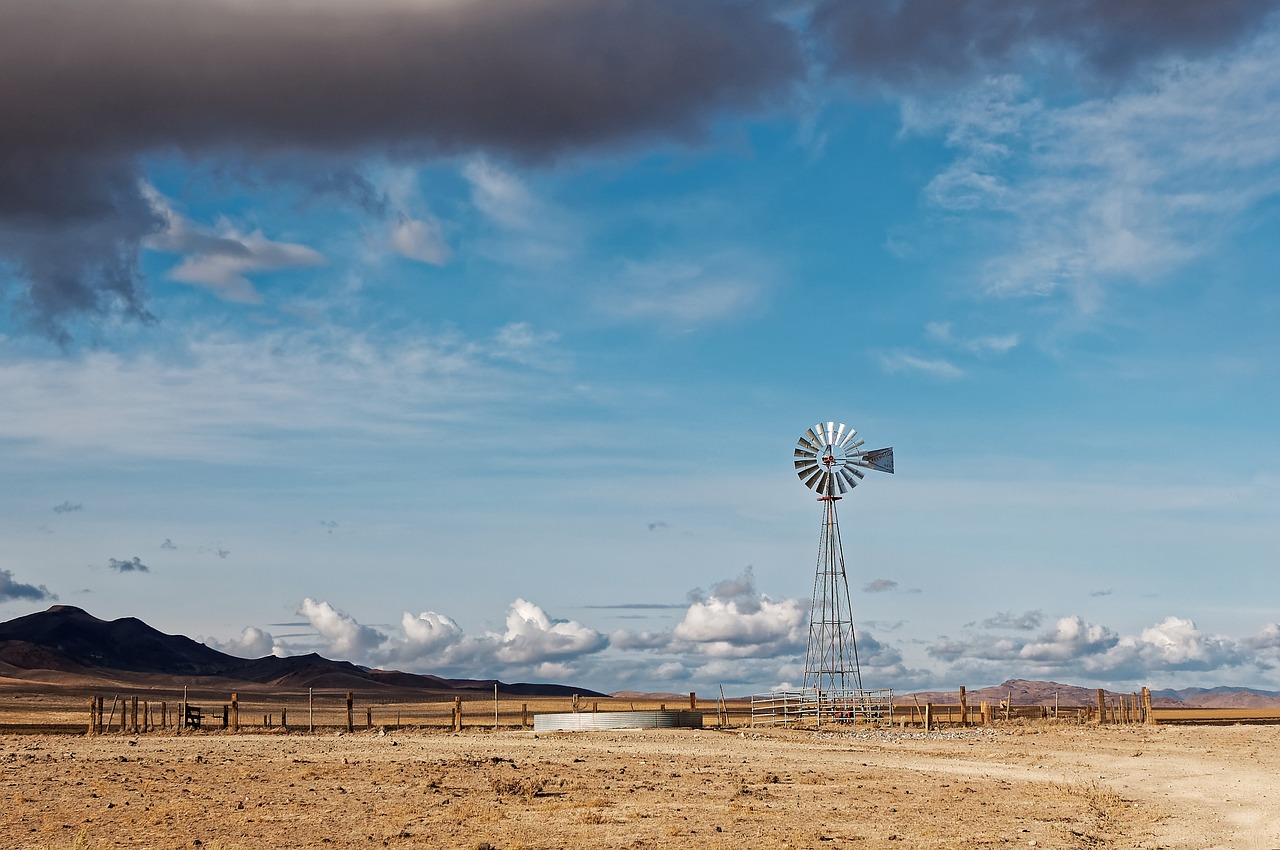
point(829, 460)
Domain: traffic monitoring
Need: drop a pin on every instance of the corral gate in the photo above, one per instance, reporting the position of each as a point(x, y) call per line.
point(812, 706)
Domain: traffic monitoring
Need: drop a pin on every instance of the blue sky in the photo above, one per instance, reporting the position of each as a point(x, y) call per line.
point(473, 338)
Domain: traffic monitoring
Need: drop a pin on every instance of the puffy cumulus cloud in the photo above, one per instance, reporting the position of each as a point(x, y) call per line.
point(428, 633)
point(533, 637)
point(434, 642)
point(10, 588)
point(1071, 637)
point(1173, 644)
point(322, 80)
point(1074, 647)
point(345, 637)
point(880, 585)
point(128, 565)
point(936, 41)
point(1268, 637)
point(252, 643)
point(736, 621)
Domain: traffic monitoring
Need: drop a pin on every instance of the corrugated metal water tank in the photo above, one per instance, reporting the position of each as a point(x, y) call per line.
point(586, 720)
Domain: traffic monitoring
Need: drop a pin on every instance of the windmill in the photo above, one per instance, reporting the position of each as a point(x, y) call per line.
point(829, 460)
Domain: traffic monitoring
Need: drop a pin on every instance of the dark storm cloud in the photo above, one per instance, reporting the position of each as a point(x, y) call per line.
point(910, 41)
point(10, 589)
point(86, 87)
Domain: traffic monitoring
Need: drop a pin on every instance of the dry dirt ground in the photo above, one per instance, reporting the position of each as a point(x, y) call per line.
point(1038, 786)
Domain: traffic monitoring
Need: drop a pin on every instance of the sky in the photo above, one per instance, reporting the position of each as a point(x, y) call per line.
point(473, 338)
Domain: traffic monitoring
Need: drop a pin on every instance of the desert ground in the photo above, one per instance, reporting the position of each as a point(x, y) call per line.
point(1041, 785)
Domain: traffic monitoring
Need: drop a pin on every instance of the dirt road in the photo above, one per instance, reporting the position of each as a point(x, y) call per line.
point(1042, 787)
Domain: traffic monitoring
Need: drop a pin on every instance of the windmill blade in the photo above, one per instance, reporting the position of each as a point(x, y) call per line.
point(855, 473)
point(839, 438)
point(839, 479)
point(811, 438)
point(804, 451)
point(853, 447)
point(848, 478)
point(848, 437)
point(831, 433)
point(804, 467)
point(880, 460)
point(820, 431)
point(824, 484)
point(812, 478)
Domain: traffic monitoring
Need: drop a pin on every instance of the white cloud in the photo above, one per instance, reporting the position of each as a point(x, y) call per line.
point(943, 332)
point(682, 293)
point(419, 239)
point(895, 362)
point(252, 643)
point(345, 637)
point(214, 394)
point(415, 233)
point(738, 622)
point(427, 634)
point(1114, 189)
point(220, 259)
point(499, 194)
point(533, 637)
point(1076, 648)
point(1070, 638)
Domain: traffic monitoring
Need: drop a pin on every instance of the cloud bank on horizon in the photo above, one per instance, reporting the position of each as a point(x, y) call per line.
point(738, 636)
point(408, 292)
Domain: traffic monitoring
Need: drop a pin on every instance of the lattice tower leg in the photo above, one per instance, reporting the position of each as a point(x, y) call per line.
point(831, 662)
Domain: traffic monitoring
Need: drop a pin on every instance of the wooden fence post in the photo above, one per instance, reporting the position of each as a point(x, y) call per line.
point(351, 719)
point(985, 708)
point(368, 717)
point(93, 715)
point(164, 715)
point(1147, 716)
point(457, 714)
point(524, 715)
point(1102, 706)
point(964, 708)
point(928, 716)
point(133, 714)
point(284, 718)
point(235, 712)
point(311, 710)
point(693, 701)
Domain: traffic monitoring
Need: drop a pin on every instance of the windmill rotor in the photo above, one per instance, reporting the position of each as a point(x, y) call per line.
point(829, 459)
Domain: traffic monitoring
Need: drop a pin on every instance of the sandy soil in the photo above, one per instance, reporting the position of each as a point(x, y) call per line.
point(1034, 786)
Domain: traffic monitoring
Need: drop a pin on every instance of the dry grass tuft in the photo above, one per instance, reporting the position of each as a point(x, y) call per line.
point(527, 787)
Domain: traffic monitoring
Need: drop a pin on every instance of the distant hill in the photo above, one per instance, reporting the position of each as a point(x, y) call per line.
point(1222, 697)
point(68, 640)
point(1028, 692)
